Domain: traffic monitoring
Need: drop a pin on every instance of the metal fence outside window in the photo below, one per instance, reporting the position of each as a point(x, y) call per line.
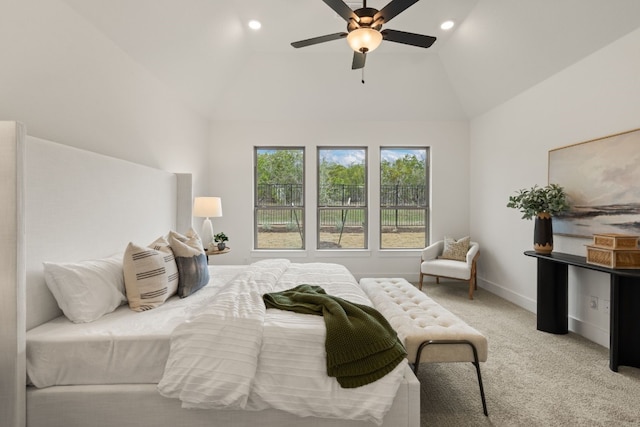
point(402, 205)
point(280, 195)
point(403, 195)
point(403, 218)
point(342, 195)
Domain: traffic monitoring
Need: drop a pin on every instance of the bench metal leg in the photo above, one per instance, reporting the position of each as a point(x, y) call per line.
point(475, 362)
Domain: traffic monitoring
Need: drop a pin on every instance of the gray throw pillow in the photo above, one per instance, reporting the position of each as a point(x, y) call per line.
point(191, 260)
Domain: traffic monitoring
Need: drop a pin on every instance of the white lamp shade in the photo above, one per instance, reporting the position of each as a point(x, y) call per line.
point(364, 38)
point(207, 207)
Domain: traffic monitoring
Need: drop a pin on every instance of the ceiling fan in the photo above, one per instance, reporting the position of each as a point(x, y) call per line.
point(364, 29)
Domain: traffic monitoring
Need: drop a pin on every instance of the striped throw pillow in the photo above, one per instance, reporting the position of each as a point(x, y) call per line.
point(161, 244)
point(150, 275)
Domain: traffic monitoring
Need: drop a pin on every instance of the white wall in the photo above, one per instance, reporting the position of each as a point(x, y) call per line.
point(232, 179)
point(68, 83)
point(12, 276)
point(596, 97)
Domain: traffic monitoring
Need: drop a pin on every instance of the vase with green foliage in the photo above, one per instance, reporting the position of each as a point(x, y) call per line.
point(541, 203)
point(220, 239)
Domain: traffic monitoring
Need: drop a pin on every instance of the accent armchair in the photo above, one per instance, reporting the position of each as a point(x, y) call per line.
point(432, 264)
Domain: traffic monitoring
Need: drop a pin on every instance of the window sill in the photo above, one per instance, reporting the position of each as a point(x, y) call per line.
point(346, 253)
point(275, 253)
point(398, 253)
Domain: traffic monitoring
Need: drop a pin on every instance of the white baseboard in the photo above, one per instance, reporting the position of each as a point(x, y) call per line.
point(519, 300)
point(585, 329)
point(413, 278)
point(589, 331)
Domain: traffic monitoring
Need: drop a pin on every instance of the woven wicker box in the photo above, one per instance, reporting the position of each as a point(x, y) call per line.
point(613, 258)
point(615, 241)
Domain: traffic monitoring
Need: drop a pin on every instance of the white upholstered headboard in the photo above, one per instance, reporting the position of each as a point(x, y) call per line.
point(81, 205)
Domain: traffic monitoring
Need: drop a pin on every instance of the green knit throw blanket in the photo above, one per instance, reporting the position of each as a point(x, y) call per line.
point(361, 346)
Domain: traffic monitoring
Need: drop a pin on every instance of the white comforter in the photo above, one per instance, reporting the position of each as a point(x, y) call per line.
point(235, 354)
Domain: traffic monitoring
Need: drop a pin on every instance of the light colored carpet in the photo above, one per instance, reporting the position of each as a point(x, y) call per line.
point(531, 378)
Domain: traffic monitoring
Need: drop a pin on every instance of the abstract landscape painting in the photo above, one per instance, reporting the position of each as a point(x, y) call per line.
point(602, 181)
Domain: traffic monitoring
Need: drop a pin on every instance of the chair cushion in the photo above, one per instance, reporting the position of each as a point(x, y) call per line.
point(446, 268)
point(456, 249)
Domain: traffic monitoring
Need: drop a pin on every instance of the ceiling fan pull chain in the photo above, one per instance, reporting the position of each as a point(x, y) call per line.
point(362, 75)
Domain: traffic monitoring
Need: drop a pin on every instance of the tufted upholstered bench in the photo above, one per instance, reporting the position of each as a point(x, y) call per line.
point(430, 332)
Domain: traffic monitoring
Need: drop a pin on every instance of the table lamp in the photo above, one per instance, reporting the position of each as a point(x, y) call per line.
point(207, 207)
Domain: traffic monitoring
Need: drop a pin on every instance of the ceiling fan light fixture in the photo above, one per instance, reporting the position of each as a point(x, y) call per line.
point(364, 39)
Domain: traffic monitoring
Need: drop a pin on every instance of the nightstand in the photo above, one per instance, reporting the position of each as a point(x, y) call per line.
point(215, 251)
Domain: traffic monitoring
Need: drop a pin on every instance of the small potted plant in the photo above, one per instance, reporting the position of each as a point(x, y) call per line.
point(220, 239)
point(540, 203)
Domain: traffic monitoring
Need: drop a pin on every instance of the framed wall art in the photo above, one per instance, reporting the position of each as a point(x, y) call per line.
point(602, 180)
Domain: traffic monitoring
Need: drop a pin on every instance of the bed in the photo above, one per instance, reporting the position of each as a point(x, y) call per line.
point(108, 370)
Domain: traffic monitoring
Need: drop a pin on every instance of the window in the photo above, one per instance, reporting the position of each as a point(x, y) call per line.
point(342, 198)
point(279, 198)
point(404, 198)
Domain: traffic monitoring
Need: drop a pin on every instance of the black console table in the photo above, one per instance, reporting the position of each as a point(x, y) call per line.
point(553, 298)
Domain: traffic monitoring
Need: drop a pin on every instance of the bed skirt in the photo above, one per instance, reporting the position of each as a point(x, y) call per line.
point(140, 405)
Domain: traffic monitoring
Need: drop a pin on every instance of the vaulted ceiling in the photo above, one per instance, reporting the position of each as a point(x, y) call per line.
point(205, 52)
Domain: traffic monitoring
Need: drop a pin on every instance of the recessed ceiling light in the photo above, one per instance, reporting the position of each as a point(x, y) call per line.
point(447, 25)
point(255, 25)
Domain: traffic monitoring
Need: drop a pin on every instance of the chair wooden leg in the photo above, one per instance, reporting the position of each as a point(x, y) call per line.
point(421, 276)
point(438, 279)
point(471, 288)
point(474, 272)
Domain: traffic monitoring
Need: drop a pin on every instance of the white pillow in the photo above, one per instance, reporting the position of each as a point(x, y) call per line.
point(86, 290)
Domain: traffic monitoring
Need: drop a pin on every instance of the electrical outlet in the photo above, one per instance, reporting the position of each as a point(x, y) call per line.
point(593, 302)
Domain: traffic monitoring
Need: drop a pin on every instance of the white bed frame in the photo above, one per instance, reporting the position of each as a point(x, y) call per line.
point(72, 204)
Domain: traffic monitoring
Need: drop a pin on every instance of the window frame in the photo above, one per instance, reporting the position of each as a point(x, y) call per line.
point(257, 207)
point(426, 208)
point(360, 207)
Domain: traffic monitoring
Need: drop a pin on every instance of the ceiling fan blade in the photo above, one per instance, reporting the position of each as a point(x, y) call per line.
point(342, 9)
point(359, 59)
point(413, 39)
point(316, 40)
point(394, 8)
